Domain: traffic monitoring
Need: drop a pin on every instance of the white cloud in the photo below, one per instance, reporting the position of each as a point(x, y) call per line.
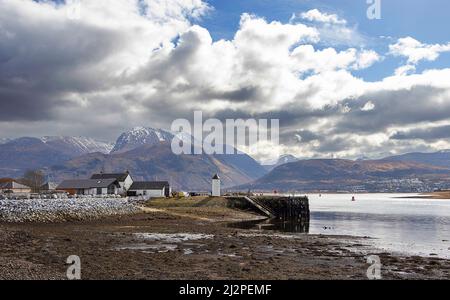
point(415, 52)
point(123, 64)
point(314, 15)
point(405, 70)
point(334, 31)
point(368, 106)
point(366, 58)
point(329, 59)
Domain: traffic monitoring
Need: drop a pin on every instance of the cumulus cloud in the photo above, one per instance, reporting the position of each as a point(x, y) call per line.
point(314, 15)
point(334, 31)
point(130, 63)
point(50, 61)
point(415, 51)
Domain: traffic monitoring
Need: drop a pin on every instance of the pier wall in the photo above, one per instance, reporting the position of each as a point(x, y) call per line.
point(280, 207)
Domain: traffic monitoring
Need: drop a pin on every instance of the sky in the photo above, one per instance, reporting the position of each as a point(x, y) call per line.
point(341, 84)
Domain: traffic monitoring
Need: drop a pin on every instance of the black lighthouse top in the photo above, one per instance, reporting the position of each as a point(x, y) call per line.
point(216, 177)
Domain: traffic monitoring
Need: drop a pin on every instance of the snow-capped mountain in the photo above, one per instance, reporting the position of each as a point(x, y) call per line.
point(75, 146)
point(21, 154)
point(140, 136)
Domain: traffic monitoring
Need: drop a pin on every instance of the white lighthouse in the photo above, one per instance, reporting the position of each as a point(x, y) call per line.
point(216, 186)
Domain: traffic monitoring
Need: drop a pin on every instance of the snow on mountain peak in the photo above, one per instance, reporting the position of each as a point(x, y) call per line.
point(140, 136)
point(283, 159)
point(78, 145)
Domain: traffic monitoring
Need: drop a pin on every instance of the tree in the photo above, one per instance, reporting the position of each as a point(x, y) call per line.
point(34, 179)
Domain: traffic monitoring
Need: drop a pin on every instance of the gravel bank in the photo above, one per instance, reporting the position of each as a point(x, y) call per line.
point(61, 210)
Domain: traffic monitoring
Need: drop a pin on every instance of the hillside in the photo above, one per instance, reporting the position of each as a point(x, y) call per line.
point(157, 162)
point(23, 154)
point(335, 175)
point(441, 158)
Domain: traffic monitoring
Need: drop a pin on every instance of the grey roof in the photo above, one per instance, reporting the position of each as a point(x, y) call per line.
point(118, 176)
point(86, 183)
point(12, 185)
point(149, 185)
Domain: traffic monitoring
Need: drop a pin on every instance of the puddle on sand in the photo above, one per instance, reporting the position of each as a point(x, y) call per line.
point(163, 243)
point(173, 238)
point(160, 248)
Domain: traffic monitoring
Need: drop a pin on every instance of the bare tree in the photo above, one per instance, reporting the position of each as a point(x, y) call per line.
point(35, 179)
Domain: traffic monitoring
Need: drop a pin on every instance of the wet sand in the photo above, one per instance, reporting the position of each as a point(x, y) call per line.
point(193, 243)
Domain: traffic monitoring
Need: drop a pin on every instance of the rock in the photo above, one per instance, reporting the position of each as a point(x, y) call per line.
point(60, 210)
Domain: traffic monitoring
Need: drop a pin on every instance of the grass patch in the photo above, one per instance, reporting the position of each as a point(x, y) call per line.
point(187, 202)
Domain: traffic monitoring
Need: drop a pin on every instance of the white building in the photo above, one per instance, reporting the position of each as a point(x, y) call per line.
point(11, 186)
point(216, 191)
point(90, 187)
point(124, 179)
point(151, 189)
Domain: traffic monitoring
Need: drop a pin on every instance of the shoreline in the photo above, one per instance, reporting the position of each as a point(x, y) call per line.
point(429, 196)
point(445, 195)
point(192, 241)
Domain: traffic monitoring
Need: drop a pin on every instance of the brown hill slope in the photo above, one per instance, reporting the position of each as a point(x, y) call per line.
point(157, 162)
point(335, 174)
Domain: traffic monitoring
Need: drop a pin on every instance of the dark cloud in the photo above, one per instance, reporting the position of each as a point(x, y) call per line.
point(17, 105)
point(434, 133)
point(401, 107)
point(60, 76)
point(308, 136)
point(39, 66)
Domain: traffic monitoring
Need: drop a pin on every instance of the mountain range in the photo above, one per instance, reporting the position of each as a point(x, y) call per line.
point(385, 175)
point(146, 153)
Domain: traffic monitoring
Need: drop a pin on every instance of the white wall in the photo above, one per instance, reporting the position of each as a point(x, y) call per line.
point(216, 188)
point(151, 193)
point(93, 191)
point(127, 184)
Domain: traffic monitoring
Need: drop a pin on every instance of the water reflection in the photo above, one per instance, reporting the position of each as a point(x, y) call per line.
point(287, 225)
point(395, 222)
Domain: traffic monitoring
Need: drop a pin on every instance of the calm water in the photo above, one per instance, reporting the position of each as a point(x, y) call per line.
point(395, 223)
point(412, 226)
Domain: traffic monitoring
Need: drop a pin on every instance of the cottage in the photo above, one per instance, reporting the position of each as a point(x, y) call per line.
point(152, 189)
point(90, 187)
point(124, 179)
point(12, 186)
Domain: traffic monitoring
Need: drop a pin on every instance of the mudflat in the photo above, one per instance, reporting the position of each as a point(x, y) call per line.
point(192, 240)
